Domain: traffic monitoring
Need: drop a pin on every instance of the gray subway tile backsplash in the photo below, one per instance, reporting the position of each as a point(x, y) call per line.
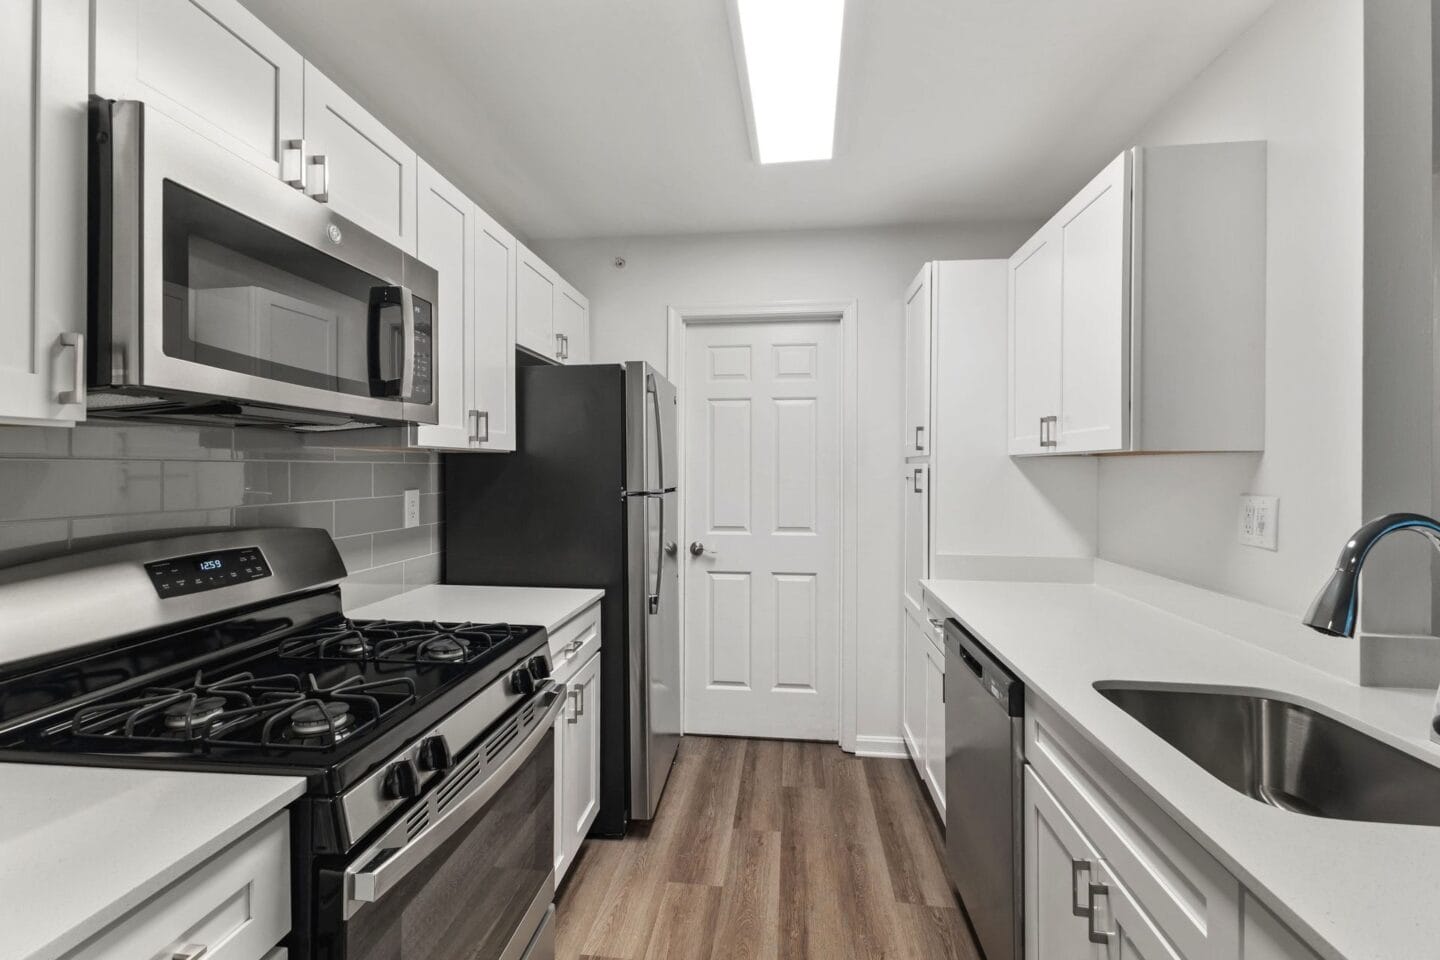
point(393, 546)
point(329, 481)
point(191, 484)
point(394, 478)
point(60, 487)
point(45, 489)
point(372, 515)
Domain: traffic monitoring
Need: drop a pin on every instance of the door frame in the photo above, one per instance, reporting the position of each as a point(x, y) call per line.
point(846, 313)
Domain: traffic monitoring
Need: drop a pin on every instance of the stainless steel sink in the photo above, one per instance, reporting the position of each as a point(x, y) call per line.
point(1286, 755)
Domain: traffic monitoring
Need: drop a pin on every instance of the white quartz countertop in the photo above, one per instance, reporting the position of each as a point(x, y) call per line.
point(547, 607)
point(1354, 891)
point(80, 847)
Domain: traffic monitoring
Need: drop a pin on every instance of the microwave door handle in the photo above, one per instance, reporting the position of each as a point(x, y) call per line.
point(390, 295)
point(376, 871)
point(407, 324)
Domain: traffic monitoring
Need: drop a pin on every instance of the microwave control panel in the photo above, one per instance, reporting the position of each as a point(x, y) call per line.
point(207, 571)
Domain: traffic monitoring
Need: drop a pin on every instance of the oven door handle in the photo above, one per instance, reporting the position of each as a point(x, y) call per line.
point(377, 871)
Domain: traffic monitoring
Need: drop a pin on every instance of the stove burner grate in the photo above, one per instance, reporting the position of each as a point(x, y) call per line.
point(241, 710)
point(402, 641)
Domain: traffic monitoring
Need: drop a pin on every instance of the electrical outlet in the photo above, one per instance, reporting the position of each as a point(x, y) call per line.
point(1259, 521)
point(412, 508)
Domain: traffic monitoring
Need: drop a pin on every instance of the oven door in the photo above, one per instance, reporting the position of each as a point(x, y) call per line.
point(217, 280)
point(466, 875)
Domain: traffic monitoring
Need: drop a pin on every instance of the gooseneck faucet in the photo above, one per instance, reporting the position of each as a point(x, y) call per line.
point(1336, 608)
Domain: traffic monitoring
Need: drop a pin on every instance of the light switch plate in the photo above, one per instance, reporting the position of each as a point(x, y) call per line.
point(1259, 521)
point(412, 508)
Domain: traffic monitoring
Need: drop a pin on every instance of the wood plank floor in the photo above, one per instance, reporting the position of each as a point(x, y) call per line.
point(770, 850)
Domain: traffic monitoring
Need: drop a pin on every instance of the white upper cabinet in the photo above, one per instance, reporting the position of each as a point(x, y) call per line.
point(209, 64)
point(918, 321)
point(535, 285)
point(445, 239)
point(491, 380)
point(1093, 231)
point(1035, 297)
point(44, 82)
point(1137, 313)
point(362, 170)
point(572, 324)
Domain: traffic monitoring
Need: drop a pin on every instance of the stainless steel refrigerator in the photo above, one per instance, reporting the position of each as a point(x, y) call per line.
point(588, 500)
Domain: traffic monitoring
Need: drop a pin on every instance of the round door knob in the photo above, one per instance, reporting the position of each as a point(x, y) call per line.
point(696, 548)
point(671, 548)
point(435, 754)
point(402, 781)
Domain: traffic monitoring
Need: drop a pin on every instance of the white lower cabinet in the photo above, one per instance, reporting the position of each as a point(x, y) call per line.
point(1266, 938)
point(236, 906)
point(1109, 876)
point(577, 735)
point(923, 705)
point(1055, 878)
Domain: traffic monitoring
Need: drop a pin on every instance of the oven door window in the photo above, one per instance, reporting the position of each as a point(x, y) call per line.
point(243, 297)
point(468, 898)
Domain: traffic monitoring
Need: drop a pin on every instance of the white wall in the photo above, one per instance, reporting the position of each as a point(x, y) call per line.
point(1295, 80)
point(872, 267)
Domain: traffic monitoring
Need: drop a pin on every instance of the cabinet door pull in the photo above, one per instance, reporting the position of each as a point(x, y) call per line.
point(574, 714)
point(1047, 431)
point(482, 426)
point(1096, 890)
point(915, 480)
point(76, 395)
point(292, 163)
point(317, 181)
point(191, 951)
point(1078, 867)
point(919, 438)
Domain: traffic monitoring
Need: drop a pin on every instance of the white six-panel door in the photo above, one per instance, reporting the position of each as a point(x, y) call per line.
point(762, 498)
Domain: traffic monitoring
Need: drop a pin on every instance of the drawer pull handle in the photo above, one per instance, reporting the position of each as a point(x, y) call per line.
point(1096, 936)
point(1078, 867)
point(191, 951)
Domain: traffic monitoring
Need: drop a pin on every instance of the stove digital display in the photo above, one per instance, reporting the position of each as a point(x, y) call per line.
point(207, 571)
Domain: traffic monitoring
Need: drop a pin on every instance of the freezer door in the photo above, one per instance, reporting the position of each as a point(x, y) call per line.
point(652, 465)
point(655, 651)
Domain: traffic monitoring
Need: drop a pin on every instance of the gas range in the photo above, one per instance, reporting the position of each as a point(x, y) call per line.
point(395, 726)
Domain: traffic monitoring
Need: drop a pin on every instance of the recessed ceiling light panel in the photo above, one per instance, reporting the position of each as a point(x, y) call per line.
point(790, 52)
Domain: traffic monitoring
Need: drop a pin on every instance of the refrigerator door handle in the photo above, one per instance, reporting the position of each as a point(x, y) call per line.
point(654, 392)
point(659, 556)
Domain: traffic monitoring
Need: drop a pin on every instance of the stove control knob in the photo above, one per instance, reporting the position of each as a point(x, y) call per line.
point(435, 754)
point(402, 781)
point(522, 682)
point(539, 668)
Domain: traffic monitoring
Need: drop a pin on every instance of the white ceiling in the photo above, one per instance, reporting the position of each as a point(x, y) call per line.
point(567, 118)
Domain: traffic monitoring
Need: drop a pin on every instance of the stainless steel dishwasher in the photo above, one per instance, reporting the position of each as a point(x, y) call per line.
point(984, 770)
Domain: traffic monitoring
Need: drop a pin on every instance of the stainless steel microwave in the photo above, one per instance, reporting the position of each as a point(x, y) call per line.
point(221, 293)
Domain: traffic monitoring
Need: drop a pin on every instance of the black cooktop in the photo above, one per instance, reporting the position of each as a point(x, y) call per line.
point(290, 688)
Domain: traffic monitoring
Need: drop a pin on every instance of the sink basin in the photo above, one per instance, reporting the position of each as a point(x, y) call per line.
point(1286, 755)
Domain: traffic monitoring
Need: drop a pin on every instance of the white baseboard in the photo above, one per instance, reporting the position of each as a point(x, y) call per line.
point(890, 748)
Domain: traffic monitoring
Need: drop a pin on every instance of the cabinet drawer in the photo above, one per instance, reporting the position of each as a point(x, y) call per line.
point(935, 622)
point(236, 905)
point(574, 642)
point(1187, 892)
